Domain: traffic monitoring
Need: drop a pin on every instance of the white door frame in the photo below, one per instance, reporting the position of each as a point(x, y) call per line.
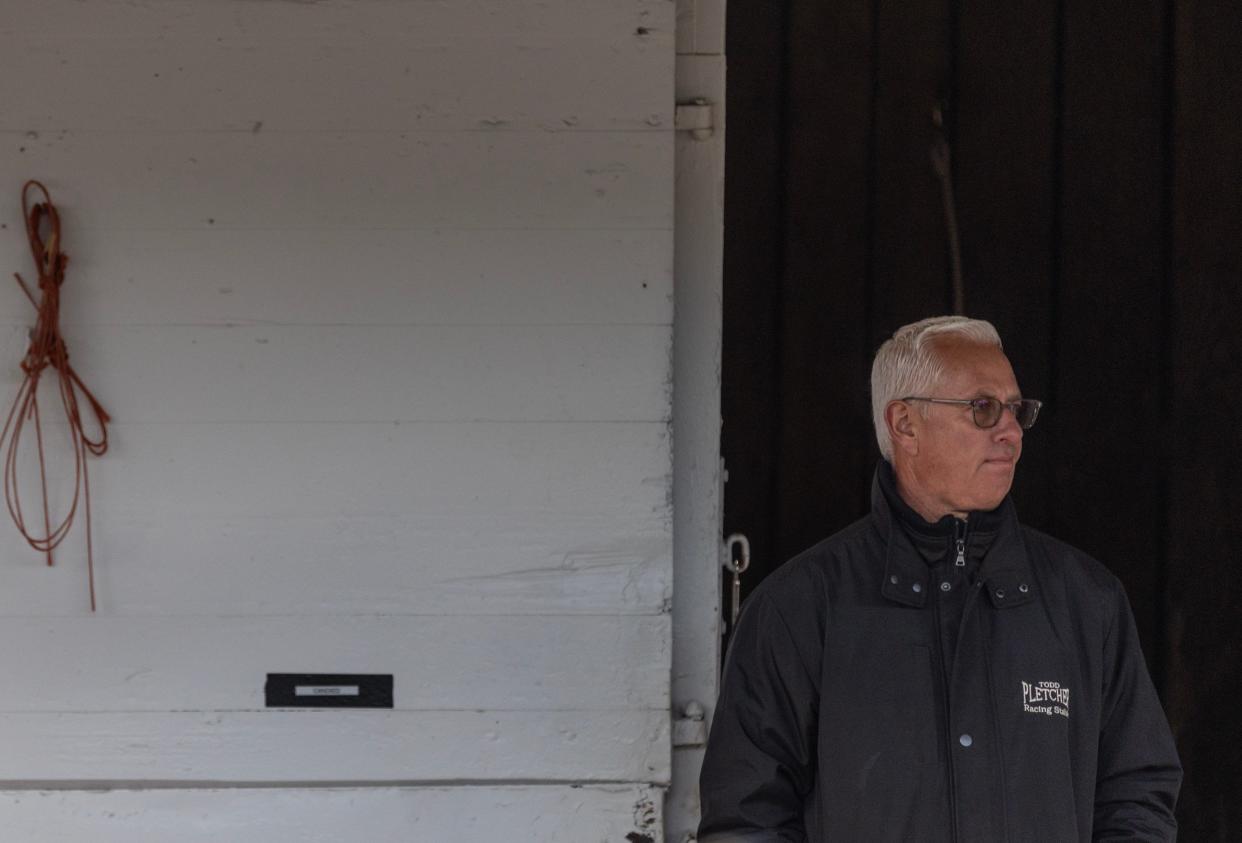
point(697, 483)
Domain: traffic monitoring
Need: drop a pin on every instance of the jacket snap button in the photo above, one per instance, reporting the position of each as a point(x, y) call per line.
point(965, 740)
point(893, 579)
point(917, 588)
point(1000, 594)
point(944, 586)
point(1024, 588)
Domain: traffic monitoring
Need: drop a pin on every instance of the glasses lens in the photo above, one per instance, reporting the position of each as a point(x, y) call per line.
point(987, 411)
point(1027, 412)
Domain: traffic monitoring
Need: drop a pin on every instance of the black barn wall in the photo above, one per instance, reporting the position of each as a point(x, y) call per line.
point(1098, 174)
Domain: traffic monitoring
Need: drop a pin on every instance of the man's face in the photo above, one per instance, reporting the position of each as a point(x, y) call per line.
point(959, 467)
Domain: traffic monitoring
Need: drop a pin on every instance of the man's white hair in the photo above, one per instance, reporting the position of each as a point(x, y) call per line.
point(907, 364)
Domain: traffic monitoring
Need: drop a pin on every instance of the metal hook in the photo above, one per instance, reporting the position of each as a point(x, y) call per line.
point(739, 565)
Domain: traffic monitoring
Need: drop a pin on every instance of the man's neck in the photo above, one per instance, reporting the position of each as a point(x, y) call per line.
point(929, 509)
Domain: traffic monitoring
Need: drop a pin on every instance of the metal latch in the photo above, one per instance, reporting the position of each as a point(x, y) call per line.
point(690, 729)
point(737, 567)
point(695, 117)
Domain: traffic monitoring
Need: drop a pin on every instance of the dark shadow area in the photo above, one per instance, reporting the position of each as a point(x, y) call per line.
point(1097, 163)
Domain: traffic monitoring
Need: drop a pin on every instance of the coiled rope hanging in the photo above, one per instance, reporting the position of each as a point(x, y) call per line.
point(47, 349)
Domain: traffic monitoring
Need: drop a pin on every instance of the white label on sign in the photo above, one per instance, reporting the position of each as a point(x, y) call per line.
point(325, 690)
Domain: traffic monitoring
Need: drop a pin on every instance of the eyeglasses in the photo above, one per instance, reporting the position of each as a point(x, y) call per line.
point(987, 411)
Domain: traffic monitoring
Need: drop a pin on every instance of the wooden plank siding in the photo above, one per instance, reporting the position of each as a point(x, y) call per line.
point(305, 276)
point(1109, 345)
point(1096, 164)
point(755, 162)
point(431, 180)
point(825, 172)
point(346, 516)
point(908, 273)
point(321, 815)
point(380, 297)
point(1202, 456)
point(151, 749)
point(440, 662)
point(373, 67)
point(1002, 125)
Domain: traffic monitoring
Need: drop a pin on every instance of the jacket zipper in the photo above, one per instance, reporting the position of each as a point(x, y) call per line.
point(959, 539)
point(948, 719)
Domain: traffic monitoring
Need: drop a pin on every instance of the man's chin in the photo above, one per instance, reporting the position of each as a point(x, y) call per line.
point(999, 497)
point(994, 494)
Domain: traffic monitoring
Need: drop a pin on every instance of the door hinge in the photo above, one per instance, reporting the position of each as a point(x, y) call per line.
point(696, 117)
point(690, 729)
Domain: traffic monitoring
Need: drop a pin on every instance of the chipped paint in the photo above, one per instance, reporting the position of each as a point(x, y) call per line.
point(645, 817)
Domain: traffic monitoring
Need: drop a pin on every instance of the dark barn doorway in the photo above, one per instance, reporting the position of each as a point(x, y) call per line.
point(1097, 162)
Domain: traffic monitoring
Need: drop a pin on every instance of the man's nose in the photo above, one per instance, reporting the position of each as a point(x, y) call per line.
point(1007, 428)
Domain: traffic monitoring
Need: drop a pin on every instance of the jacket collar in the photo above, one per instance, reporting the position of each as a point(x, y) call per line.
point(1005, 572)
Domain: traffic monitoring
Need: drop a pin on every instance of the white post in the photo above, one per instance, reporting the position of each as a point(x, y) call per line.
point(699, 235)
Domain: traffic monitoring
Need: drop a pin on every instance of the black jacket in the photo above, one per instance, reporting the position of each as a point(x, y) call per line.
point(878, 687)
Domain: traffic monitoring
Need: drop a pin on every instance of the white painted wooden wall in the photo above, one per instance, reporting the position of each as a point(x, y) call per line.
point(379, 293)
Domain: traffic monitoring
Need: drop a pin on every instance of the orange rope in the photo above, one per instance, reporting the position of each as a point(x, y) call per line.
point(47, 348)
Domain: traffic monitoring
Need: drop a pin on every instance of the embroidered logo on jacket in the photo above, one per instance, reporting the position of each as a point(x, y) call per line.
point(1045, 698)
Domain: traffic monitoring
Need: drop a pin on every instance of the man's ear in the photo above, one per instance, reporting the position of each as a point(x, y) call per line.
point(902, 427)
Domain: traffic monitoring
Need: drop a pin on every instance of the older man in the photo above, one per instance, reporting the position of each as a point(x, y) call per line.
point(937, 671)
